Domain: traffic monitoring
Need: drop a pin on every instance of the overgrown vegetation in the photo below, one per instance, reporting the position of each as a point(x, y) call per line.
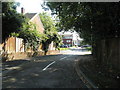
point(93, 21)
point(17, 25)
point(32, 38)
point(64, 48)
point(11, 20)
point(50, 33)
point(89, 48)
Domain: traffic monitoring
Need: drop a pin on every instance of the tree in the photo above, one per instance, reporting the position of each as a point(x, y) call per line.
point(50, 33)
point(94, 21)
point(15, 24)
point(11, 20)
point(86, 16)
point(32, 38)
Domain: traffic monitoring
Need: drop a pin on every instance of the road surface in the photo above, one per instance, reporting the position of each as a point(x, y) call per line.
point(51, 71)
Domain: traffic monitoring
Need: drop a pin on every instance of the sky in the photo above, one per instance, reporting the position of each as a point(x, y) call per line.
point(30, 6)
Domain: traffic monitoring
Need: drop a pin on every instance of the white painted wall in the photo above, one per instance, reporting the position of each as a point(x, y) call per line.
point(19, 45)
point(51, 46)
point(71, 35)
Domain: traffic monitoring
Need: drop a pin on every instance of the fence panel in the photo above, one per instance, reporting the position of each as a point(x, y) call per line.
point(110, 52)
point(10, 45)
point(51, 46)
point(14, 44)
point(19, 45)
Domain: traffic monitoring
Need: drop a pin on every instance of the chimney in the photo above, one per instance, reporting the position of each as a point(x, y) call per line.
point(22, 10)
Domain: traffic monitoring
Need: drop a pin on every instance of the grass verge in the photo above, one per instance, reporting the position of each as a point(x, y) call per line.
point(89, 48)
point(64, 48)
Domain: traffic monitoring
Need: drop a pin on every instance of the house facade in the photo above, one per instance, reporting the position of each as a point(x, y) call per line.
point(35, 19)
point(67, 39)
point(70, 38)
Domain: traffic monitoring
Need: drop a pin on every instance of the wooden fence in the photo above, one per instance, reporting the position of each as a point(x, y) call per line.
point(14, 45)
point(19, 45)
point(108, 52)
point(15, 49)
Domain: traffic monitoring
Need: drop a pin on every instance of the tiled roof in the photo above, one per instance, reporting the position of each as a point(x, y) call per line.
point(30, 15)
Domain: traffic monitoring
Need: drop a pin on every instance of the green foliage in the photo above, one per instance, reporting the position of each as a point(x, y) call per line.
point(89, 48)
point(15, 24)
point(48, 23)
point(94, 21)
point(64, 48)
point(50, 33)
point(32, 38)
point(14, 34)
point(83, 43)
point(11, 20)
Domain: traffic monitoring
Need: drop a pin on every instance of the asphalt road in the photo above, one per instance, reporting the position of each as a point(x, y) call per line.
point(52, 71)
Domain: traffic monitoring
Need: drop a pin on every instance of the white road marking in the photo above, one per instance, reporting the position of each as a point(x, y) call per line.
point(63, 58)
point(48, 65)
point(52, 63)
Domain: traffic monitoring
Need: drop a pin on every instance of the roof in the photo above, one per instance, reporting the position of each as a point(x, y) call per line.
point(30, 15)
point(66, 33)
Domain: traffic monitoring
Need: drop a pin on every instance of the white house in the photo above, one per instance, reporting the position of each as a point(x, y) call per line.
point(70, 38)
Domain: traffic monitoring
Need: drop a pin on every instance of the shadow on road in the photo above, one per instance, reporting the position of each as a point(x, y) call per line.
point(13, 63)
point(60, 74)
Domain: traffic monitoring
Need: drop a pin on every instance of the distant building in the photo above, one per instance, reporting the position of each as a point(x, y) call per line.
point(70, 38)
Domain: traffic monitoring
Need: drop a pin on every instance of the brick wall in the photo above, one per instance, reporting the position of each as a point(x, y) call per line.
point(36, 20)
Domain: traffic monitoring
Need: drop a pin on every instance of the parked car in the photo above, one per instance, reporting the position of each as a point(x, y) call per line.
point(85, 46)
point(64, 46)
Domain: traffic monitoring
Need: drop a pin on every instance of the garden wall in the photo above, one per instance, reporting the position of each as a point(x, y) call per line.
point(23, 55)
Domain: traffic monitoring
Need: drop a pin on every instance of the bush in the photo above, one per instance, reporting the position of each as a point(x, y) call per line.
point(89, 48)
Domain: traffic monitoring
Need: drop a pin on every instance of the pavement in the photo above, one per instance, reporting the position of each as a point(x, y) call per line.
point(83, 76)
point(59, 69)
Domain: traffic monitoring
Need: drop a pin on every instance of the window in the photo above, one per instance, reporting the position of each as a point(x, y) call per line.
point(67, 37)
point(68, 40)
